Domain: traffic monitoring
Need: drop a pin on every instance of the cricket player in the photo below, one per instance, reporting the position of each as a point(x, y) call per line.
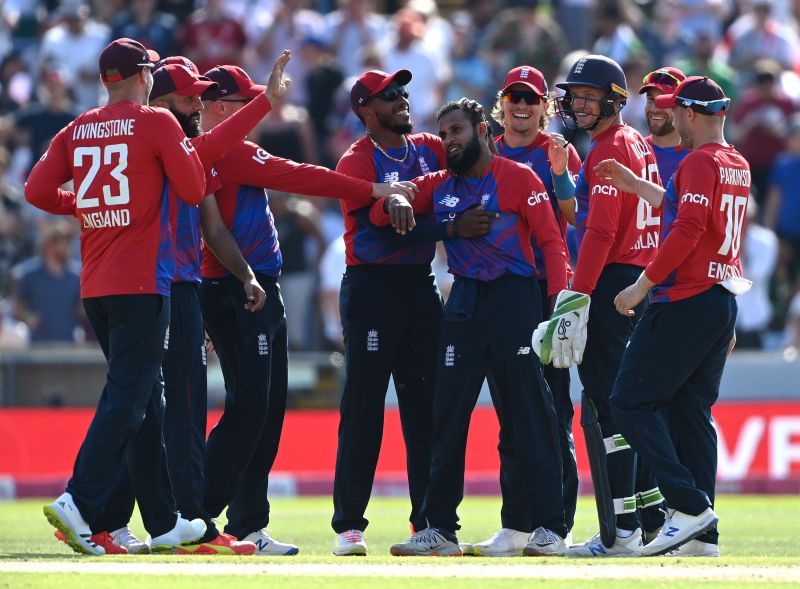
point(121, 157)
point(665, 141)
point(178, 86)
point(523, 108)
point(488, 324)
point(252, 346)
point(692, 282)
point(617, 233)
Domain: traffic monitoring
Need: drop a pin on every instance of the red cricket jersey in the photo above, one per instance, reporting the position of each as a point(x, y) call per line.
point(120, 157)
point(515, 192)
point(246, 171)
point(702, 247)
point(621, 228)
point(364, 160)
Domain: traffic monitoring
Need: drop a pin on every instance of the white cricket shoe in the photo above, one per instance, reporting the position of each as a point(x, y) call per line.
point(695, 548)
point(678, 529)
point(543, 542)
point(506, 542)
point(468, 549)
point(349, 543)
point(648, 537)
point(127, 539)
point(266, 545)
point(630, 547)
point(427, 542)
point(63, 515)
point(184, 532)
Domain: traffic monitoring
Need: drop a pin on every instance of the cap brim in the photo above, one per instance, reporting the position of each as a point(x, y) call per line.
point(402, 77)
point(153, 56)
point(664, 101)
point(253, 91)
point(197, 87)
point(538, 91)
point(660, 87)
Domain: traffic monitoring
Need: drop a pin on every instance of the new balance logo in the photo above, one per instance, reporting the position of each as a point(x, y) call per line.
point(450, 356)
point(449, 201)
point(263, 344)
point(597, 549)
point(261, 544)
point(524, 351)
point(390, 177)
point(671, 532)
point(372, 340)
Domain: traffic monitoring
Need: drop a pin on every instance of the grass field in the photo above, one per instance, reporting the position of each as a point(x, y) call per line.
point(759, 547)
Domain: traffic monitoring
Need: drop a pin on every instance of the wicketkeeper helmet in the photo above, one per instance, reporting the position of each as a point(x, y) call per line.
point(594, 71)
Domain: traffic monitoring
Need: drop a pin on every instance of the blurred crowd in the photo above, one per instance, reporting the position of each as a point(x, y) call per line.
point(48, 74)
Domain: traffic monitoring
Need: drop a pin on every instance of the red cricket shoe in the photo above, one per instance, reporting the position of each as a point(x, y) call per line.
point(222, 544)
point(102, 539)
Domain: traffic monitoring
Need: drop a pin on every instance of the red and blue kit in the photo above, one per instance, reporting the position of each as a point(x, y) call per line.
point(701, 247)
point(535, 157)
point(210, 147)
point(668, 159)
point(363, 160)
point(515, 192)
point(101, 150)
point(614, 227)
point(245, 171)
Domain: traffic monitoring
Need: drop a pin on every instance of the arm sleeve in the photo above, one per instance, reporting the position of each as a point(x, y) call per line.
point(423, 203)
point(699, 177)
point(214, 144)
point(50, 172)
point(542, 223)
point(601, 230)
point(427, 231)
point(255, 167)
point(179, 157)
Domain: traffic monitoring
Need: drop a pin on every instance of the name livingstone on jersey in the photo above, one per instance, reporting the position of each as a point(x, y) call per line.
point(103, 129)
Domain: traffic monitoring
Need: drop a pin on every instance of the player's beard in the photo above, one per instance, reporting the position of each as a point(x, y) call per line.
point(461, 164)
point(189, 123)
point(386, 122)
point(662, 130)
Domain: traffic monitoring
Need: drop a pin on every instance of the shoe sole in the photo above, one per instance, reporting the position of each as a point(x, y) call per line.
point(699, 532)
point(291, 552)
point(601, 556)
point(52, 515)
point(205, 550)
point(400, 552)
point(535, 554)
point(172, 548)
point(354, 552)
point(511, 554)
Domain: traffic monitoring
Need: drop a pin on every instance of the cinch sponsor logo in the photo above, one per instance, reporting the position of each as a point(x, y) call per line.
point(698, 199)
point(606, 189)
point(537, 197)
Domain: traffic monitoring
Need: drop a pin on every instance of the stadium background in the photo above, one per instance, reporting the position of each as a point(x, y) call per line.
point(50, 370)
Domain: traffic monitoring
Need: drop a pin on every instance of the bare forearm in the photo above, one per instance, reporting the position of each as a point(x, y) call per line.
point(224, 247)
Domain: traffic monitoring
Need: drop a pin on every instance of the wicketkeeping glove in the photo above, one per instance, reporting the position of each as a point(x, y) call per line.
point(562, 339)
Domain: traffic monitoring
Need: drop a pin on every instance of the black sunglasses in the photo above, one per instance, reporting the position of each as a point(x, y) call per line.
point(392, 93)
point(515, 96)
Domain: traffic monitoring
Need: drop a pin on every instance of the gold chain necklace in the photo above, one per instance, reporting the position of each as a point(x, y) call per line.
point(394, 159)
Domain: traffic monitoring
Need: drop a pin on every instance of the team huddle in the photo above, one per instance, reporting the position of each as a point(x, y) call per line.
point(194, 252)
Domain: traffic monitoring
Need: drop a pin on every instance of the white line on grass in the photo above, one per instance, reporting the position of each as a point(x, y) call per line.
point(533, 571)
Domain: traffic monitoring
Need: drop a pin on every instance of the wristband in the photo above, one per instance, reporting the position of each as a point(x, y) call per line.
point(563, 185)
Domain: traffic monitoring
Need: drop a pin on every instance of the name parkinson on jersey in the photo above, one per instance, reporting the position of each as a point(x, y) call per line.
point(103, 129)
point(103, 219)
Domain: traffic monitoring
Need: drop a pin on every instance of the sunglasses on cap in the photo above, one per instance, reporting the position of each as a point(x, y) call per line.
point(712, 106)
point(660, 77)
point(391, 93)
point(514, 96)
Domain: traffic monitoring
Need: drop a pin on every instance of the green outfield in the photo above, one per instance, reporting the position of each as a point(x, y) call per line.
point(759, 546)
